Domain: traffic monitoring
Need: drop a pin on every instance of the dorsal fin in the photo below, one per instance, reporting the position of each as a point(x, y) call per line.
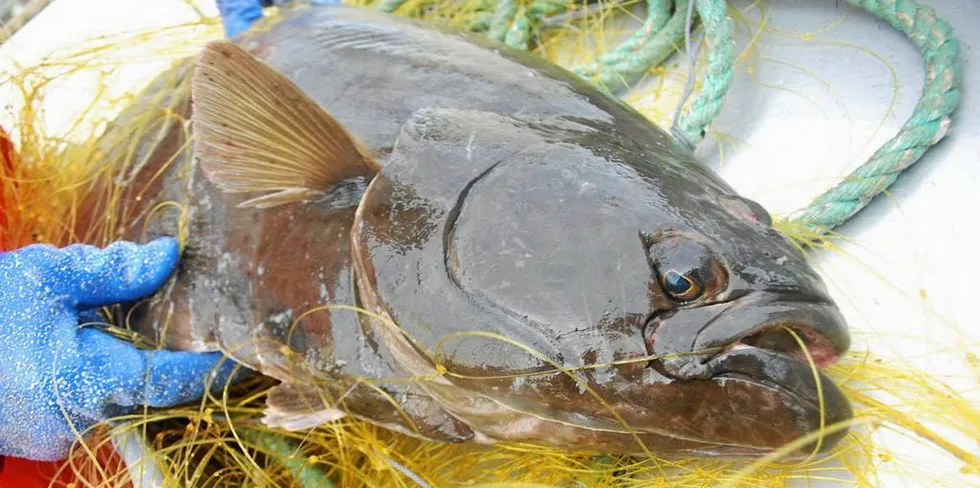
point(256, 131)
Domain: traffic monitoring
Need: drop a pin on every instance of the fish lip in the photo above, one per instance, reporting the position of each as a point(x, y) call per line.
point(686, 340)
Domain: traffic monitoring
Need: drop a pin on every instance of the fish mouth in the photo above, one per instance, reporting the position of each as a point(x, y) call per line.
point(775, 346)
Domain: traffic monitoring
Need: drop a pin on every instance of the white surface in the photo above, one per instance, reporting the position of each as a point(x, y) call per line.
point(801, 114)
point(66, 25)
point(812, 110)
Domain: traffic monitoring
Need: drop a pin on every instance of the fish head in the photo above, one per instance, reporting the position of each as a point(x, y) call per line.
point(679, 309)
point(738, 304)
point(725, 278)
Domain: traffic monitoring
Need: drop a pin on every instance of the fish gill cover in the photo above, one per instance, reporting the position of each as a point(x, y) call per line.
point(50, 181)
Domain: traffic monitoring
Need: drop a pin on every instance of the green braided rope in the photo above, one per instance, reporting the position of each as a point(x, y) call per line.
point(283, 451)
point(390, 5)
point(519, 34)
point(512, 22)
point(690, 125)
point(503, 17)
point(649, 46)
point(928, 124)
point(657, 40)
point(544, 8)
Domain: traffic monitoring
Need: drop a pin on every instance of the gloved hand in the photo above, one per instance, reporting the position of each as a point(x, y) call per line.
point(237, 16)
point(57, 379)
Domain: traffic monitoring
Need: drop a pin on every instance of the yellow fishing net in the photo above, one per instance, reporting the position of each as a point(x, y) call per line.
point(220, 441)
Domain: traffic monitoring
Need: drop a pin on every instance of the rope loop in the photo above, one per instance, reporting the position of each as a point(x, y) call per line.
point(928, 124)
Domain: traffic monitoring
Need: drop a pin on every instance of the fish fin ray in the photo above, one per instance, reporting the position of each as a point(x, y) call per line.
point(298, 407)
point(257, 132)
point(282, 197)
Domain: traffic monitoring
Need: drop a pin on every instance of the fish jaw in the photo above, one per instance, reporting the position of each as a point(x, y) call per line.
point(814, 408)
point(754, 394)
point(733, 415)
point(774, 345)
point(757, 401)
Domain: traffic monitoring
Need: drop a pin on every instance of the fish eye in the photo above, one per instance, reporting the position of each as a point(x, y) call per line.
point(681, 288)
point(686, 270)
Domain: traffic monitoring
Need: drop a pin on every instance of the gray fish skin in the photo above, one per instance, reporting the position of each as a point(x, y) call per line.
point(514, 199)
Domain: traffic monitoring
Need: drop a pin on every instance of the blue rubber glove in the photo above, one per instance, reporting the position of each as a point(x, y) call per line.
point(238, 16)
point(57, 379)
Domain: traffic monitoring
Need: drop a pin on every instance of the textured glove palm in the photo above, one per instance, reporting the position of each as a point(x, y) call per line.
point(57, 379)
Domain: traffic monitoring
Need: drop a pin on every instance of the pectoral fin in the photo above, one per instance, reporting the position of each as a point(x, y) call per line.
point(298, 407)
point(257, 132)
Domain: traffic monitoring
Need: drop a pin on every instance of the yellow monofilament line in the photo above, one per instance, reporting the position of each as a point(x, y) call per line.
point(200, 445)
point(820, 399)
point(904, 421)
